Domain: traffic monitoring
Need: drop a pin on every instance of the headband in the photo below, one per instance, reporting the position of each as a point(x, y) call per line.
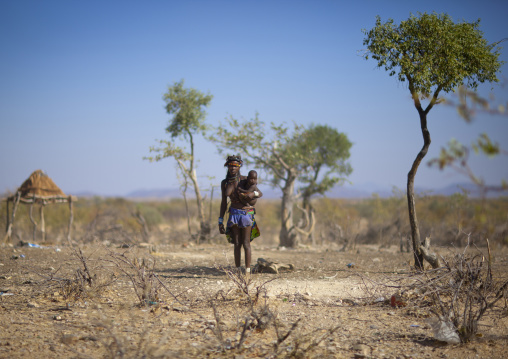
point(234, 161)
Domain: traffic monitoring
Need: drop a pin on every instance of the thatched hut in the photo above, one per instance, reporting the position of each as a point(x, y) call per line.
point(37, 189)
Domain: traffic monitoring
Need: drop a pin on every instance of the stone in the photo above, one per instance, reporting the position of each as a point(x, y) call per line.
point(69, 339)
point(362, 349)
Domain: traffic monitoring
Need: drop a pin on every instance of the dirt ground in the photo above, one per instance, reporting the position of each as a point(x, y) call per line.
point(322, 308)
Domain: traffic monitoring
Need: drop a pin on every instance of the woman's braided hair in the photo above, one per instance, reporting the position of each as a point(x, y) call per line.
point(233, 158)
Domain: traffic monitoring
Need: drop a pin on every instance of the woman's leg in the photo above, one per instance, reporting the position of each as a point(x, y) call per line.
point(245, 240)
point(237, 241)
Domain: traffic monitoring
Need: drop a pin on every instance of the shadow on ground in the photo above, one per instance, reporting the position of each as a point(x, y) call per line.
point(192, 272)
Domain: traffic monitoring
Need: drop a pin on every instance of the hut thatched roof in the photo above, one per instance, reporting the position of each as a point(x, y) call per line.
point(37, 189)
point(40, 188)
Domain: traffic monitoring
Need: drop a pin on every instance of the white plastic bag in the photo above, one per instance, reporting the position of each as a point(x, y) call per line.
point(444, 330)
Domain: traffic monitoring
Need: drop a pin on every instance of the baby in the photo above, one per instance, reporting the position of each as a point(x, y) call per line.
point(249, 185)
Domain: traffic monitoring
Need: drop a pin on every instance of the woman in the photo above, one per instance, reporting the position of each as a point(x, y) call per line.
point(241, 211)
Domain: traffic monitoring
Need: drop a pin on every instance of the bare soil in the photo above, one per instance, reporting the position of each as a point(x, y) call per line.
point(323, 308)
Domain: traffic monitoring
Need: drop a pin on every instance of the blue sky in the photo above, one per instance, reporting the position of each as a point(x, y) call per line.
point(82, 83)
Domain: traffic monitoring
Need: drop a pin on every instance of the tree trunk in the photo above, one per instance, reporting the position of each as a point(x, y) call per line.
point(287, 235)
point(413, 220)
point(184, 193)
point(309, 210)
point(204, 226)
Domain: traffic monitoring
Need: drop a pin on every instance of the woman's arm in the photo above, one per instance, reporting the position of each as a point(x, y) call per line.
point(224, 199)
point(223, 206)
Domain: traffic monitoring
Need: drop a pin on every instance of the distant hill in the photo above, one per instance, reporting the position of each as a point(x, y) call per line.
point(366, 191)
point(472, 190)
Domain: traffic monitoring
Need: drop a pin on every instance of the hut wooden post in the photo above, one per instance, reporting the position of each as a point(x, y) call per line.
point(7, 215)
point(32, 219)
point(71, 217)
point(43, 223)
point(11, 220)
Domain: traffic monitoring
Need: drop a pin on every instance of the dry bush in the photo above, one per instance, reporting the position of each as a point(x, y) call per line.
point(141, 273)
point(118, 346)
point(458, 295)
point(258, 316)
point(88, 282)
point(254, 317)
point(464, 290)
point(244, 283)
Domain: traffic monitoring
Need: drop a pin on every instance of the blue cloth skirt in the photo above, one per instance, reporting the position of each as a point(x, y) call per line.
point(241, 218)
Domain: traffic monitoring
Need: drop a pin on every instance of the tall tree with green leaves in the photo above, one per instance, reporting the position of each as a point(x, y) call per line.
point(327, 155)
point(288, 155)
point(434, 55)
point(186, 106)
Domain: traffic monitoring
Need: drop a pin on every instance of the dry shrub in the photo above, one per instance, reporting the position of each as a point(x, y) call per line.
point(464, 290)
point(141, 273)
point(459, 294)
point(256, 315)
point(118, 346)
point(88, 282)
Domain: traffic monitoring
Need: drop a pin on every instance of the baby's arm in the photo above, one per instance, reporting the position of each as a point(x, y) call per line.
point(248, 190)
point(253, 194)
point(258, 193)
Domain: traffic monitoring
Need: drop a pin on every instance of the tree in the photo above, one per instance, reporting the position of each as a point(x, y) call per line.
point(434, 55)
point(327, 152)
point(287, 155)
point(186, 106)
point(456, 155)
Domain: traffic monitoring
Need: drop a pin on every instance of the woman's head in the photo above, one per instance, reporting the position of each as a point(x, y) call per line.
point(233, 163)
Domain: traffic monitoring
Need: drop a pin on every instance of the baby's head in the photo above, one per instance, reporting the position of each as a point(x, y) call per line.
point(252, 178)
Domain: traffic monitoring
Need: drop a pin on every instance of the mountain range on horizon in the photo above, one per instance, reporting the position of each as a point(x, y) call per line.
point(346, 192)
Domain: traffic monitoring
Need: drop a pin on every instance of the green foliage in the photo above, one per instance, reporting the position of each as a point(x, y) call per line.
point(151, 215)
point(264, 146)
point(433, 53)
point(186, 106)
point(456, 155)
point(285, 151)
point(485, 146)
point(326, 152)
point(470, 103)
